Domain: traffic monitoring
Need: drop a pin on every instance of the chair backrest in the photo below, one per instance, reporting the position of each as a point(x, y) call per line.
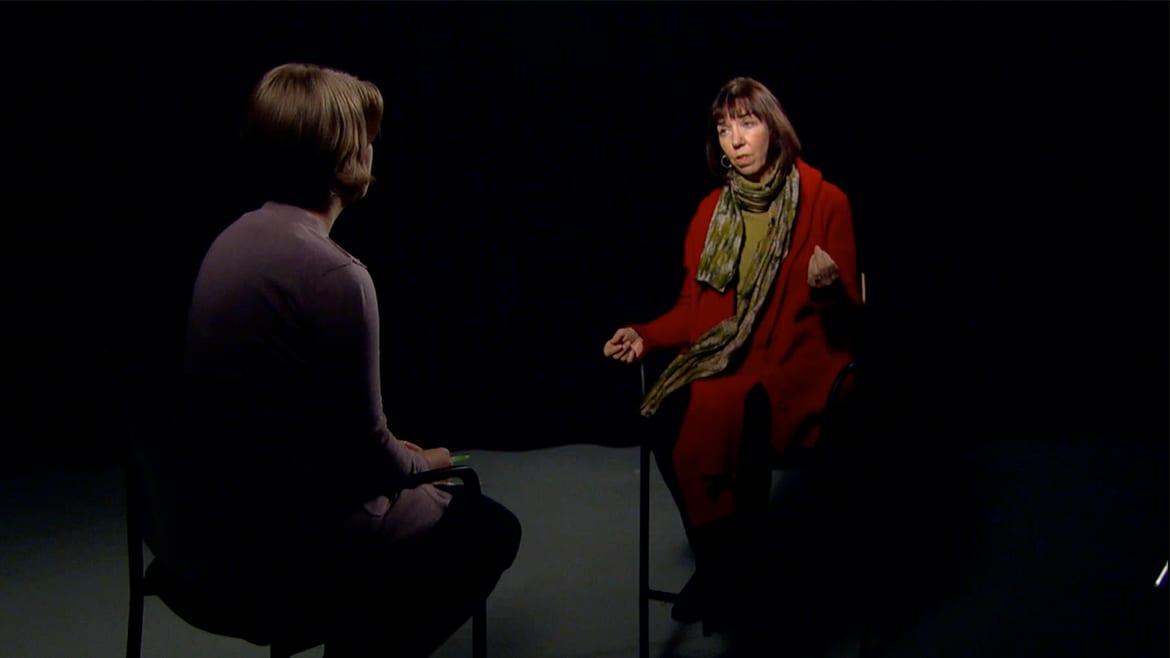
point(144, 393)
point(837, 421)
point(146, 525)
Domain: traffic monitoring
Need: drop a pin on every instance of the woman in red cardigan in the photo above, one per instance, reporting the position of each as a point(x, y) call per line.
point(761, 329)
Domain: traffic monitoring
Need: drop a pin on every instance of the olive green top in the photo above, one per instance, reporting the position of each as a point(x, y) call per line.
point(755, 229)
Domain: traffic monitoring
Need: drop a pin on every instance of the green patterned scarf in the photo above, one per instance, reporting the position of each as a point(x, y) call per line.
point(714, 350)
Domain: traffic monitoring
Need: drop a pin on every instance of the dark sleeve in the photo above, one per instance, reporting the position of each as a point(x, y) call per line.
point(347, 314)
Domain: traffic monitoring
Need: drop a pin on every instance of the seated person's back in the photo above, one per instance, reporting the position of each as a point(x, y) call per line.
point(281, 478)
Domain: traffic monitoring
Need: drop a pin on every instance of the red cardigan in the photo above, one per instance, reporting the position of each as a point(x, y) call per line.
point(790, 351)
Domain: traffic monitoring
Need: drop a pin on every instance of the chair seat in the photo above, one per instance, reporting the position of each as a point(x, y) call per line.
point(235, 613)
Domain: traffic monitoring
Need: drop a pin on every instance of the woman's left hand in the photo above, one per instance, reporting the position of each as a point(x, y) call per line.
point(822, 269)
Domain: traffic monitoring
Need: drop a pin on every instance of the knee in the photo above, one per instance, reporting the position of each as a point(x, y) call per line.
point(690, 458)
point(504, 531)
point(513, 532)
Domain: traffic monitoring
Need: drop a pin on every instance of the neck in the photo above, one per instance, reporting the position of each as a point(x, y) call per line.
point(765, 174)
point(758, 177)
point(329, 213)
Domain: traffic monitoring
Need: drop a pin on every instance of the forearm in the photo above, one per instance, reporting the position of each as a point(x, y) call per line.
point(668, 331)
point(671, 330)
point(401, 461)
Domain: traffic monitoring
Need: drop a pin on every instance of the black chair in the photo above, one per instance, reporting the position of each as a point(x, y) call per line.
point(144, 521)
point(145, 392)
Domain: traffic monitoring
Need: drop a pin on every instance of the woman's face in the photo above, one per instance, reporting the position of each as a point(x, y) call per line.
point(745, 140)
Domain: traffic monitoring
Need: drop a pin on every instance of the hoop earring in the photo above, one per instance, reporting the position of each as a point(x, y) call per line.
point(724, 161)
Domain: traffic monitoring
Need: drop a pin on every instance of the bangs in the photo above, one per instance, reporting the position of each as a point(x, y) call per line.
point(735, 106)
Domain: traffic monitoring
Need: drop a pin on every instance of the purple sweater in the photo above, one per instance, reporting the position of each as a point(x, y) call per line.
point(284, 430)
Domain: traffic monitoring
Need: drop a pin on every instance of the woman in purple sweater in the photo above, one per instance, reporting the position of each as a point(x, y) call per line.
point(286, 475)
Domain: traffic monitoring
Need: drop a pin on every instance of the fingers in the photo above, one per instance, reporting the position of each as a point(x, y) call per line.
point(413, 447)
point(822, 258)
point(630, 352)
point(438, 457)
point(823, 280)
point(622, 339)
point(614, 345)
point(625, 335)
point(822, 269)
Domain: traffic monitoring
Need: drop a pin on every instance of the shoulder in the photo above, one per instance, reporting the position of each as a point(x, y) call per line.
point(708, 202)
point(706, 207)
point(712, 197)
point(340, 284)
point(814, 186)
point(703, 215)
point(293, 246)
point(337, 270)
point(302, 237)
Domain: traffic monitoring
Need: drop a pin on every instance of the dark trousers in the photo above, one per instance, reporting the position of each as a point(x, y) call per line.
point(406, 601)
point(753, 474)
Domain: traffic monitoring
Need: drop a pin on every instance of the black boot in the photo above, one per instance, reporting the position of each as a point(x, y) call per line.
point(713, 593)
point(690, 605)
point(727, 566)
point(688, 608)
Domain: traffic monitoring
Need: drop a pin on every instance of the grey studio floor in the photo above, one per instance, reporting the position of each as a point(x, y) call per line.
point(1070, 540)
point(571, 593)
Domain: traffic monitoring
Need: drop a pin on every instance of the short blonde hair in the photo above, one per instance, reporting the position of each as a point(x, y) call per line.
point(307, 128)
point(740, 96)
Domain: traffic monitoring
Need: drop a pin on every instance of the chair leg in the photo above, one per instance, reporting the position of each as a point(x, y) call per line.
point(135, 562)
point(134, 627)
point(479, 631)
point(644, 553)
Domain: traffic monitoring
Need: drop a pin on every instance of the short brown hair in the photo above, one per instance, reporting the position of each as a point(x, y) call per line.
point(740, 96)
point(307, 128)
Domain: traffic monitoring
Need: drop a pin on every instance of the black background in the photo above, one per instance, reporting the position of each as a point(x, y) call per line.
point(1006, 164)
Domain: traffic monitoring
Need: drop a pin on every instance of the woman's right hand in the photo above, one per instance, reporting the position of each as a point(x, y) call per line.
point(436, 457)
point(625, 346)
